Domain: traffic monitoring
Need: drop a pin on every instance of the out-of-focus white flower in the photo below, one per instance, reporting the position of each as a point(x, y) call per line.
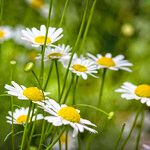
point(5, 33)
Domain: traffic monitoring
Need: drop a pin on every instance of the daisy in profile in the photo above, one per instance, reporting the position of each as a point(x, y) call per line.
point(61, 52)
point(20, 116)
point(130, 91)
point(37, 37)
point(66, 115)
point(81, 66)
point(5, 33)
point(21, 92)
point(109, 62)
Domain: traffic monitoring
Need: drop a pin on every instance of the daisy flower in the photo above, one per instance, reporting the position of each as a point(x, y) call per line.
point(36, 3)
point(31, 93)
point(130, 91)
point(81, 66)
point(37, 37)
point(61, 52)
point(66, 115)
point(20, 116)
point(5, 33)
point(109, 62)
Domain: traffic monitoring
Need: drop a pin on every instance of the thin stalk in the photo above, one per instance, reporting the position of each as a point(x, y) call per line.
point(1, 11)
point(63, 13)
point(133, 125)
point(140, 130)
point(66, 141)
point(58, 79)
point(60, 147)
point(79, 143)
point(48, 77)
point(88, 24)
point(44, 46)
point(25, 129)
point(56, 139)
point(34, 74)
point(75, 48)
point(67, 93)
point(101, 87)
point(119, 137)
point(74, 90)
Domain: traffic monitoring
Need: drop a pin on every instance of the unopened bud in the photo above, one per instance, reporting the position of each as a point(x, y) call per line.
point(29, 67)
point(110, 115)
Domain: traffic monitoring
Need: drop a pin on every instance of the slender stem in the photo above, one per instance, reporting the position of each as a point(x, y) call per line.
point(88, 24)
point(79, 143)
point(140, 130)
point(67, 93)
point(66, 141)
point(63, 13)
point(133, 125)
point(74, 90)
point(60, 147)
point(75, 48)
point(25, 129)
point(101, 87)
point(119, 137)
point(48, 77)
point(56, 139)
point(1, 10)
point(58, 79)
point(34, 74)
point(44, 46)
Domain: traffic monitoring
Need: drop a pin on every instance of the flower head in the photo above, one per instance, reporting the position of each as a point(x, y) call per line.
point(81, 66)
point(130, 91)
point(5, 33)
point(31, 93)
point(65, 115)
point(109, 62)
point(20, 116)
point(37, 37)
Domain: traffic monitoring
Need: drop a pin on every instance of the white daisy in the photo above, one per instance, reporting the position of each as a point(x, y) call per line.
point(130, 91)
point(66, 115)
point(23, 93)
point(20, 116)
point(81, 66)
point(5, 33)
point(109, 62)
point(37, 37)
point(61, 52)
point(38, 4)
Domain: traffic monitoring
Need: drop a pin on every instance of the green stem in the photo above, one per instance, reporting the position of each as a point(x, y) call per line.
point(34, 74)
point(74, 90)
point(119, 137)
point(58, 79)
point(48, 77)
point(75, 48)
point(140, 130)
point(88, 24)
point(67, 93)
point(1, 11)
point(66, 141)
point(63, 13)
point(101, 87)
point(56, 139)
point(25, 129)
point(133, 125)
point(60, 147)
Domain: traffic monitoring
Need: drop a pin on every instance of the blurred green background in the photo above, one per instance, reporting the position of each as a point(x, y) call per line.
point(118, 27)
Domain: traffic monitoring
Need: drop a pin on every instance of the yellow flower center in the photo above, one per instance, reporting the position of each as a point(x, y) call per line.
point(2, 34)
point(52, 55)
point(143, 90)
point(33, 93)
point(41, 40)
point(69, 113)
point(79, 68)
point(105, 61)
point(37, 3)
point(21, 119)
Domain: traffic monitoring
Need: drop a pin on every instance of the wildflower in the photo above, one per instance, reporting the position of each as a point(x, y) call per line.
point(81, 66)
point(37, 37)
point(66, 115)
point(20, 116)
point(36, 3)
point(5, 33)
point(31, 93)
point(108, 62)
point(61, 53)
point(130, 91)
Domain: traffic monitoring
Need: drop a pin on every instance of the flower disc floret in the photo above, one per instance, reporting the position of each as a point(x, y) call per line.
point(37, 3)
point(143, 90)
point(21, 119)
point(57, 55)
point(33, 93)
point(79, 68)
point(69, 113)
point(108, 62)
point(2, 34)
point(41, 40)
